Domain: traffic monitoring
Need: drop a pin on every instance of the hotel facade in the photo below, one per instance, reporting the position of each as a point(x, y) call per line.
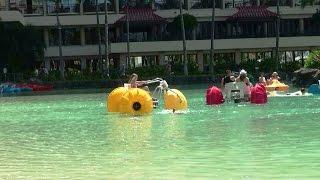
point(243, 30)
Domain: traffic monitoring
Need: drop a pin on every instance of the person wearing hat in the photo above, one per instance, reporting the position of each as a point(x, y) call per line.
point(243, 84)
point(274, 77)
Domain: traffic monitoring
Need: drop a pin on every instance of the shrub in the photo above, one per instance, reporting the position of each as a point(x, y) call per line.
point(291, 66)
point(268, 65)
point(147, 72)
point(313, 60)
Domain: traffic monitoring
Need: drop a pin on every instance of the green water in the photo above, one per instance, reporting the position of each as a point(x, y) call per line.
point(73, 137)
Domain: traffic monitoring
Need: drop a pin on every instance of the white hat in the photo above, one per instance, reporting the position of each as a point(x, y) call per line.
point(242, 72)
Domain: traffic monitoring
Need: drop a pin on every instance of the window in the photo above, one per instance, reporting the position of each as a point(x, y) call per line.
point(169, 4)
point(90, 5)
point(201, 4)
point(70, 36)
point(66, 6)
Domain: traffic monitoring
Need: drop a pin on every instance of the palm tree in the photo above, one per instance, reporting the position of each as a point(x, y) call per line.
point(59, 27)
point(128, 34)
point(212, 37)
point(99, 36)
point(277, 34)
point(185, 59)
point(106, 43)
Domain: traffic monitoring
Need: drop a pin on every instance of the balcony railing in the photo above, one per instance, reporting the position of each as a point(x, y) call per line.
point(64, 8)
point(90, 6)
point(169, 4)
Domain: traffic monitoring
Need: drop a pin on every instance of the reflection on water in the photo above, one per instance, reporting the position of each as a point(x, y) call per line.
point(73, 137)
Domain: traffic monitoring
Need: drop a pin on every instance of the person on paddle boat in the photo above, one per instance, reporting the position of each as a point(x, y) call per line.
point(274, 77)
point(243, 84)
point(134, 83)
point(262, 79)
point(227, 84)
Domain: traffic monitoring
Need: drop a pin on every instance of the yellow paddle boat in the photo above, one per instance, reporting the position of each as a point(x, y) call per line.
point(137, 101)
point(277, 86)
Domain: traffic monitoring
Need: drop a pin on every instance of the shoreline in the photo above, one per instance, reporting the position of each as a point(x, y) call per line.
point(95, 90)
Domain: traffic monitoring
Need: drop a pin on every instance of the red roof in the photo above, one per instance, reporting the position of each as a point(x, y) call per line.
point(141, 15)
point(252, 13)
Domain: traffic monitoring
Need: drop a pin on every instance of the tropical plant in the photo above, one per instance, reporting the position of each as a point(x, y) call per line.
point(59, 28)
point(128, 33)
point(222, 63)
point(99, 37)
point(212, 37)
point(149, 72)
point(185, 58)
point(20, 47)
point(290, 67)
point(277, 33)
point(106, 45)
point(190, 22)
point(313, 60)
point(268, 64)
point(316, 17)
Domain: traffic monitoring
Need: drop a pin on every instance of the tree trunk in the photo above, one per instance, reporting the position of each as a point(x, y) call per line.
point(212, 38)
point(128, 35)
point(185, 59)
point(61, 68)
point(277, 35)
point(99, 37)
point(106, 43)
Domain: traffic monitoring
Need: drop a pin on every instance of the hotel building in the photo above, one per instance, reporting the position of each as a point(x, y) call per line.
point(245, 29)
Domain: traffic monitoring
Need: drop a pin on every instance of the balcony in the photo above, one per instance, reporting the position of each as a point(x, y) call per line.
point(192, 45)
point(26, 6)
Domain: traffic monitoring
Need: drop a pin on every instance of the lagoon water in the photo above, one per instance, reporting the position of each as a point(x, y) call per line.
point(73, 137)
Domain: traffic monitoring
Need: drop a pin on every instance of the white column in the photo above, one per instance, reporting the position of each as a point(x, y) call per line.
point(301, 26)
point(292, 3)
point(188, 5)
point(265, 27)
point(82, 36)
point(200, 61)
point(83, 63)
point(116, 3)
point(44, 6)
point(7, 5)
point(161, 59)
point(238, 56)
point(46, 36)
point(47, 64)
point(81, 8)
point(222, 4)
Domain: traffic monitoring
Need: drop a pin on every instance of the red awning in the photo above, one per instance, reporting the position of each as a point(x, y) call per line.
point(144, 15)
point(252, 13)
